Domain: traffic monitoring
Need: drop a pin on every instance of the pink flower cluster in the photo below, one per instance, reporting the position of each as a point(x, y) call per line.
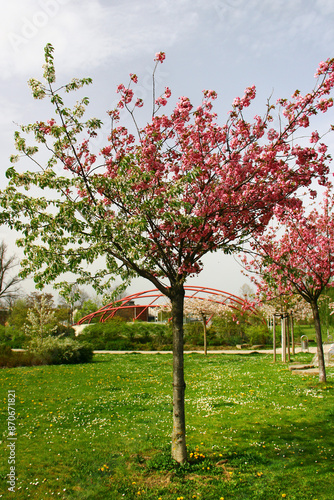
point(186, 185)
point(160, 57)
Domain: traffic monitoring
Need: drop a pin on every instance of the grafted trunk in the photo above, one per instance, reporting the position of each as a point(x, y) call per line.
point(179, 452)
point(320, 350)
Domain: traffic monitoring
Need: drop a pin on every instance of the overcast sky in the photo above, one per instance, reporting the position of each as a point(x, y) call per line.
point(223, 45)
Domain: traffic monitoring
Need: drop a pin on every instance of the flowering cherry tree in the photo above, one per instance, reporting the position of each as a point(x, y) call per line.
point(301, 260)
point(156, 198)
point(289, 308)
point(202, 309)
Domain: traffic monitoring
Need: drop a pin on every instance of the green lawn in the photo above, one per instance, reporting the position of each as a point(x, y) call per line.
point(102, 430)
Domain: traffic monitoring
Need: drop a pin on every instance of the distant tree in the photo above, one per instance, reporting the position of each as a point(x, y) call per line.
point(246, 292)
point(35, 300)
point(73, 297)
point(41, 319)
point(89, 306)
point(154, 204)
point(203, 310)
point(289, 308)
point(18, 313)
point(301, 260)
point(9, 283)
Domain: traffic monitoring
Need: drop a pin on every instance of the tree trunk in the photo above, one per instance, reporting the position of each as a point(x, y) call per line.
point(288, 336)
point(292, 334)
point(320, 351)
point(274, 338)
point(179, 452)
point(205, 337)
point(283, 338)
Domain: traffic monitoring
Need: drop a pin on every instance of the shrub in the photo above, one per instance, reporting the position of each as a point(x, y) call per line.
point(107, 336)
point(5, 350)
point(194, 333)
point(117, 334)
point(258, 334)
point(12, 337)
point(55, 351)
point(11, 359)
point(64, 331)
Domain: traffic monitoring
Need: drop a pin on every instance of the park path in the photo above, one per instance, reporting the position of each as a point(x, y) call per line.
point(312, 349)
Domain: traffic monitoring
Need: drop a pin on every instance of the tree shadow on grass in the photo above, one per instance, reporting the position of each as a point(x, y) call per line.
point(294, 444)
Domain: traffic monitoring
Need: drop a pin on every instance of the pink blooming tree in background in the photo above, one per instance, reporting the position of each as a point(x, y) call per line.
point(203, 310)
point(301, 260)
point(289, 308)
point(155, 200)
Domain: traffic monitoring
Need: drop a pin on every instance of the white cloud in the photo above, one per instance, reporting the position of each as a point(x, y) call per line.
point(86, 33)
point(91, 33)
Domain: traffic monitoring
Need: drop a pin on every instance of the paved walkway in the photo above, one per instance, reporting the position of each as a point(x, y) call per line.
point(312, 350)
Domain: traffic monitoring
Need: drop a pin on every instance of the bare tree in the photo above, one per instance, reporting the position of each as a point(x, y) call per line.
point(9, 284)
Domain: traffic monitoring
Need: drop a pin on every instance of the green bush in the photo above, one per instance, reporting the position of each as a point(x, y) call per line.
point(228, 331)
point(5, 350)
point(47, 351)
point(117, 334)
point(11, 359)
point(258, 334)
point(64, 331)
point(54, 351)
point(106, 336)
point(12, 337)
point(193, 333)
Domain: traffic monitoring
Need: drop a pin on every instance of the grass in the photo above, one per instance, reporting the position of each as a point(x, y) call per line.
point(102, 430)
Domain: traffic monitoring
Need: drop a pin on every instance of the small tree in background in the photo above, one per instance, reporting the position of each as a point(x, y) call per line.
point(41, 318)
point(153, 204)
point(9, 284)
point(203, 310)
point(73, 297)
point(289, 308)
point(88, 307)
point(301, 260)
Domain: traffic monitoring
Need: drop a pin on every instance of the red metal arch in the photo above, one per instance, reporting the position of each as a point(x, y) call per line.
point(199, 292)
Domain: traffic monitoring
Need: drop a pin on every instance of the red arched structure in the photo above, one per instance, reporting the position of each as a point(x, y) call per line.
point(152, 297)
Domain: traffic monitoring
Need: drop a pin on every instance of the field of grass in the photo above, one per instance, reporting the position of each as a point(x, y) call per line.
point(102, 430)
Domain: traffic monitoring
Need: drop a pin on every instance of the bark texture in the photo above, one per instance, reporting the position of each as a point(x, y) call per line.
point(320, 351)
point(274, 338)
point(179, 452)
point(205, 335)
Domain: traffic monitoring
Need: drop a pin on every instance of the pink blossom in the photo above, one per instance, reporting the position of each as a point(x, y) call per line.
point(160, 56)
point(139, 103)
point(314, 137)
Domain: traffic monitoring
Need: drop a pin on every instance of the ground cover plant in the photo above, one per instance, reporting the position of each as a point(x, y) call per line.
point(101, 430)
